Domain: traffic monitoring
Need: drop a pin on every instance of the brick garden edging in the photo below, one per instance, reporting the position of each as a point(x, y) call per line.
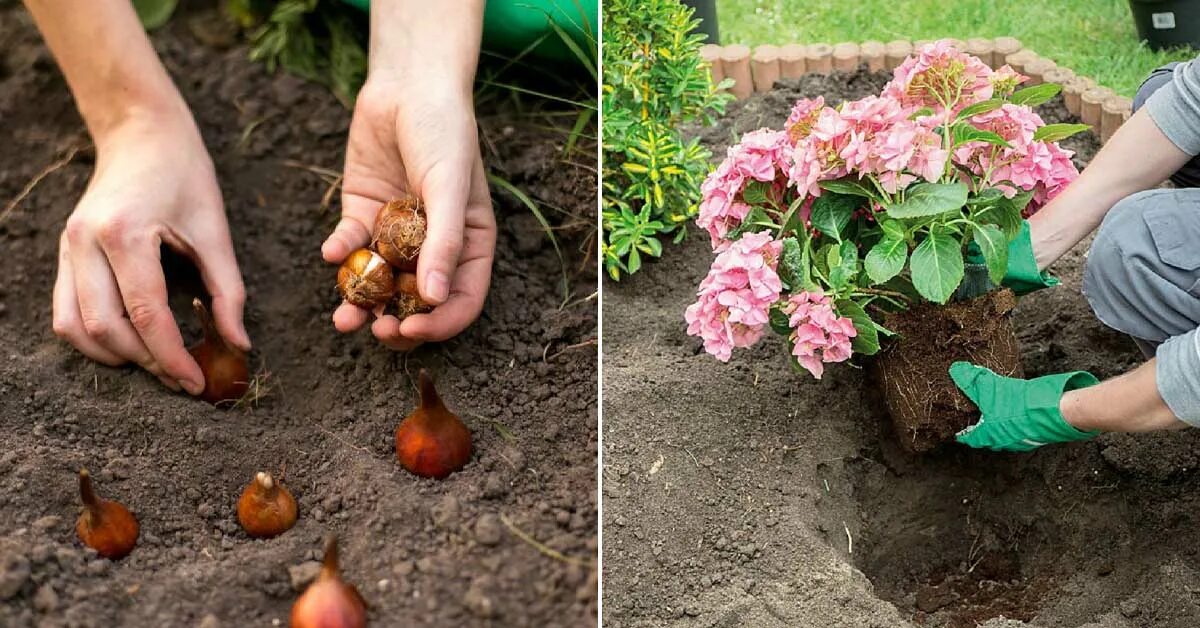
point(757, 70)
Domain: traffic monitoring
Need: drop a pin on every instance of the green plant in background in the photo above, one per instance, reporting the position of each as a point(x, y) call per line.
point(654, 82)
point(319, 40)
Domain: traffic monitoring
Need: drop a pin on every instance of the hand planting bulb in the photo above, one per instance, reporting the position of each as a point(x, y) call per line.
point(399, 232)
point(365, 279)
point(432, 442)
point(226, 374)
point(105, 526)
point(266, 508)
point(329, 602)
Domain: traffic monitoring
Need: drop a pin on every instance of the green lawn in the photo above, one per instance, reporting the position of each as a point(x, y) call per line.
point(1093, 37)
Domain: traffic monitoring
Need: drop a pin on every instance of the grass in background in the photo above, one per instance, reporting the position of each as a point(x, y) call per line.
point(1095, 38)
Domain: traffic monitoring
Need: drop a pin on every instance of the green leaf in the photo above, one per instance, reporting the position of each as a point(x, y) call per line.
point(937, 266)
point(994, 246)
point(1058, 132)
point(893, 229)
point(1036, 95)
point(831, 213)
point(843, 264)
point(779, 322)
point(793, 267)
point(154, 13)
point(921, 113)
point(929, 199)
point(756, 193)
point(634, 261)
point(751, 224)
point(964, 132)
point(986, 198)
point(867, 340)
point(1004, 213)
point(886, 259)
point(979, 108)
point(847, 186)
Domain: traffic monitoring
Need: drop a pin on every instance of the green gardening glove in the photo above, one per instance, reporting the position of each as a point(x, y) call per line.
point(1017, 414)
point(1022, 275)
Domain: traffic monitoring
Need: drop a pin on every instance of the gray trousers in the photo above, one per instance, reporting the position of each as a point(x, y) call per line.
point(1143, 276)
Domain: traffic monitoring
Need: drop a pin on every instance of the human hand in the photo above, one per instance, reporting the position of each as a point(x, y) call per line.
point(154, 183)
point(1017, 414)
point(408, 140)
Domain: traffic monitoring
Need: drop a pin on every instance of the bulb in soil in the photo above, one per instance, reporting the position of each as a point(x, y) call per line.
point(365, 279)
point(399, 232)
point(266, 508)
point(407, 300)
point(329, 602)
point(226, 374)
point(432, 441)
point(105, 526)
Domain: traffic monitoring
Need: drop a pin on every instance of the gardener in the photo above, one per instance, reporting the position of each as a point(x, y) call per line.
point(1142, 278)
point(154, 183)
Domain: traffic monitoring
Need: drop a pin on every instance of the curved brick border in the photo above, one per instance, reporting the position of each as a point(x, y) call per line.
point(757, 70)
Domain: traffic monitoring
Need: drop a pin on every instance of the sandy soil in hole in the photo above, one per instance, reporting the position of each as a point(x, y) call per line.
point(741, 495)
point(423, 552)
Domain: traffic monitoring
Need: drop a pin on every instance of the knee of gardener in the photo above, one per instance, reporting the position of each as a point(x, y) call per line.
point(1127, 282)
point(1157, 78)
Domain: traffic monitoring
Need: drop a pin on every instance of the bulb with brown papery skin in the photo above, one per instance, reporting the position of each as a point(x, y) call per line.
point(399, 232)
point(105, 526)
point(266, 508)
point(365, 279)
point(226, 373)
point(432, 441)
point(329, 602)
point(407, 299)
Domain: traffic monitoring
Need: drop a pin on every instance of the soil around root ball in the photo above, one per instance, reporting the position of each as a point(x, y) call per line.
point(911, 371)
point(422, 552)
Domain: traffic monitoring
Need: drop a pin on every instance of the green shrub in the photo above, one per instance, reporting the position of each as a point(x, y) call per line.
point(654, 81)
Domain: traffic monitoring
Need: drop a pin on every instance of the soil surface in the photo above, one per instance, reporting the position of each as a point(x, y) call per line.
point(458, 552)
point(740, 494)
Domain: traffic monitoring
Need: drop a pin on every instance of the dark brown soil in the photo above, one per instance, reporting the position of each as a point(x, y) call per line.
point(926, 408)
point(423, 552)
point(741, 495)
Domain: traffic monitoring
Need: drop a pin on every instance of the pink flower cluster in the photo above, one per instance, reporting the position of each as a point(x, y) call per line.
point(869, 137)
point(762, 155)
point(819, 336)
point(735, 298)
point(940, 77)
point(1043, 167)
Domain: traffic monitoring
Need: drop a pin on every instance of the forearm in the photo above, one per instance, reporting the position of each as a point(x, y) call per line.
point(1138, 157)
point(110, 66)
point(426, 44)
point(1129, 403)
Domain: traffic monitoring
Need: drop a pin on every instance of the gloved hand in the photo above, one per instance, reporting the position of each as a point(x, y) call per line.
point(1018, 414)
point(1023, 276)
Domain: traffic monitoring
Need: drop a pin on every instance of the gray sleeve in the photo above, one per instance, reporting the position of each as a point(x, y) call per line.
point(1178, 376)
point(1175, 108)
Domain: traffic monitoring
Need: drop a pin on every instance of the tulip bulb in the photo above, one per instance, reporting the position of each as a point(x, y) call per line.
point(329, 602)
point(266, 508)
point(399, 232)
point(226, 374)
point(407, 299)
point(365, 279)
point(432, 441)
point(105, 526)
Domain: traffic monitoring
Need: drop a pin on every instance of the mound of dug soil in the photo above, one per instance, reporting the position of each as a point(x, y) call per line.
point(742, 495)
point(423, 552)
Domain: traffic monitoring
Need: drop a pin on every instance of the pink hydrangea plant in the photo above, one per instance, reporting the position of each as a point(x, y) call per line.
point(734, 299)
point(819, 335)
